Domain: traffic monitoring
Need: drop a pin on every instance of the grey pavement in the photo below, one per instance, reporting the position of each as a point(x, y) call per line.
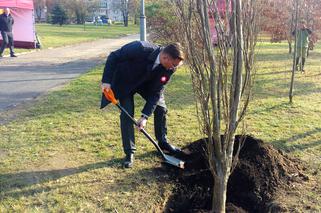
point(30, 75)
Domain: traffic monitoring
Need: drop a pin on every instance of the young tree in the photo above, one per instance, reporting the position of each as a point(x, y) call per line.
point(295, 51)
point(309, 11)
point(221, 76)
point(59, 15)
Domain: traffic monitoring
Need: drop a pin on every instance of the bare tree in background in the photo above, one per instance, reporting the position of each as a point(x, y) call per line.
point(40, 6)
point(296, 2)
point(221, 76)
point(162, 22)
point(278, 20)
point(134, 10)
point(123, 6)
point(78, 9)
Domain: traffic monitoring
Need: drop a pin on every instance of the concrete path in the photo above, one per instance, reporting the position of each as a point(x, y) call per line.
point(30, 75)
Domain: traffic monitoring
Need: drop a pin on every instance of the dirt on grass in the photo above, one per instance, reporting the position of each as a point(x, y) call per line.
point(262, 172)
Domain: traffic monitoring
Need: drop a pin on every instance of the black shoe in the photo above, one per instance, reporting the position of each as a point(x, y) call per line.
point(13, 55)
point(166, 147)
point(129, 161)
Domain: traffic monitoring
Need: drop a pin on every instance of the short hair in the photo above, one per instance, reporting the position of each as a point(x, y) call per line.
point(303, 21)
point(174, 50)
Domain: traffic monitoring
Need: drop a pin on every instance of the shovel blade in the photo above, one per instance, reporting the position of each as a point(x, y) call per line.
point(174, 161)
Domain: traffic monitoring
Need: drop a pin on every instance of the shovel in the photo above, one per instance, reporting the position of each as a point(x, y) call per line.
point(167, 158)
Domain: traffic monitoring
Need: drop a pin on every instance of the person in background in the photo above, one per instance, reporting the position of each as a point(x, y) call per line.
point(143, 68)
point(6, 23)
point(302, 44)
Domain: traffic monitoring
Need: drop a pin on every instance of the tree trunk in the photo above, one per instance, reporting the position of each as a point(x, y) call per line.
point(39, 13)
point(135, 19)
point(125, 18)
point(295, 53)
point(219, 193)
point(290, 46)
point(218, 90)
point(126, 21)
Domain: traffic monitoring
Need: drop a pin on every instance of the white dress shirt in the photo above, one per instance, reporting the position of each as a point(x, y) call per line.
point(157, 62)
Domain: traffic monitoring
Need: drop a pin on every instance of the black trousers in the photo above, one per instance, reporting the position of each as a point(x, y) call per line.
point(127, 126)
point(7, 38)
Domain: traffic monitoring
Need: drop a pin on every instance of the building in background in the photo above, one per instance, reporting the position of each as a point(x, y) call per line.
point(109, 9)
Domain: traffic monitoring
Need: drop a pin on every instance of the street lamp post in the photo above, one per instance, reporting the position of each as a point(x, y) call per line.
point(142, 21)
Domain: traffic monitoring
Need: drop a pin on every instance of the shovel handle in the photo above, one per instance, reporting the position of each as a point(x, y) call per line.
point(109, 94)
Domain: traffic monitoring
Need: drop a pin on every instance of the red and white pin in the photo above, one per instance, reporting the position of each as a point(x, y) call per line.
point(164, 79)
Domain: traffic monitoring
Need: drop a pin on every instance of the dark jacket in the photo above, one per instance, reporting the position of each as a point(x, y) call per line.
point(6, 23)
point(129, 71)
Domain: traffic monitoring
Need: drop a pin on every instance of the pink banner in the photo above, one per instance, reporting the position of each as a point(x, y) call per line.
point(23, 4)
point(24, 26)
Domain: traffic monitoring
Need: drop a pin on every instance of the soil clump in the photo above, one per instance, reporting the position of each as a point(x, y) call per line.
point(260, 173)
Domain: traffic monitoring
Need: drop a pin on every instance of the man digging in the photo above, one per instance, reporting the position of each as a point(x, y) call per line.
point(143, 68)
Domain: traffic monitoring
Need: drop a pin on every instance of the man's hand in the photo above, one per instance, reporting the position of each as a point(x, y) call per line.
point(105, 86)
point(141, 123)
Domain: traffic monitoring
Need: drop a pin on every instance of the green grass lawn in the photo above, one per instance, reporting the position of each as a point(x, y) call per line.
point(64, 154)
point(55, 36)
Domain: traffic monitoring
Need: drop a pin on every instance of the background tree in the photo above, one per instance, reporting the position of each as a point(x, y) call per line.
point(78, 10)
point(308, 10)
point(279, 20)
point(296, 11)
point(124, 6)
point(125, 11)
point(279, 17)
point(58, 15)
point(134, 10)
point(311, 13)
point(162, 22)
point(39, 6)
point(50, 4)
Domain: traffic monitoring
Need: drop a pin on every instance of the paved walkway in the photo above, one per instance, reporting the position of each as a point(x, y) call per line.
point(30, 75)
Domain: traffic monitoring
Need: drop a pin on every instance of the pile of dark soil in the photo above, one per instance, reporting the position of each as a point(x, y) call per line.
point(260, 173)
